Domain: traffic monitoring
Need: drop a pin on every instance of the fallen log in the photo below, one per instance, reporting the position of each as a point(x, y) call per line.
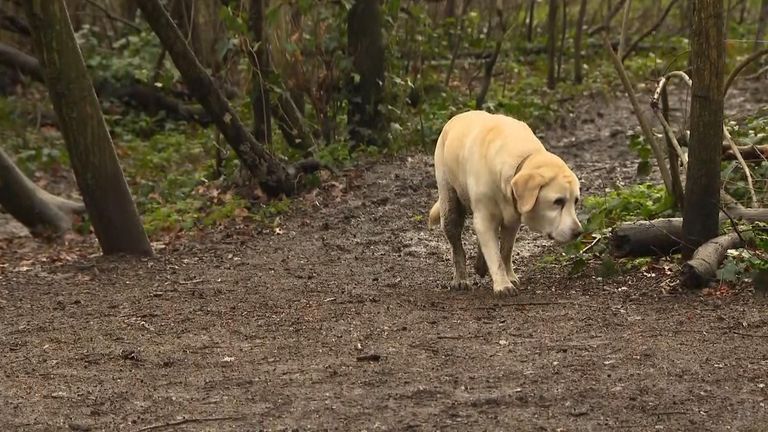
point(44, 214)
point(662, 237)
point(658, 237)
point(700, 270)
point(755, 152)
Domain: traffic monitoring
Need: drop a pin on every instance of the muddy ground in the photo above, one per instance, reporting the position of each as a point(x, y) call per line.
point(340, 319)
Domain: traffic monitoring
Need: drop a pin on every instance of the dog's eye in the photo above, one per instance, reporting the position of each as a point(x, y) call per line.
point(560, 202)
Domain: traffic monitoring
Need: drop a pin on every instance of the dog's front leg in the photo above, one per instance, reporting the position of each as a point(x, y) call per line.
point(508, 236)
point(486, 229)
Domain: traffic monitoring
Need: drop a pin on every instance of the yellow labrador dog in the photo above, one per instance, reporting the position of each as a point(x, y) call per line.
point(494, 167)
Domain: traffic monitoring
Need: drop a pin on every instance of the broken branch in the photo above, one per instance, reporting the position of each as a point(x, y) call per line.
point(702, 268)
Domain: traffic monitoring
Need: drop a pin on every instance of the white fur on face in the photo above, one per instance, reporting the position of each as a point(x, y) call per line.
point(554, 213)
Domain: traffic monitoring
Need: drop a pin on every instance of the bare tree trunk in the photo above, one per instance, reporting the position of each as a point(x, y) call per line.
point(490, 64)
point(267, 170)
point(198, 21)
point(42, 213)
point(563, 33)
point(578, 72)
point(125, 9)
point(288, 111)
point(743, 11)
point(678, 192)
point(457, 42)
point(97, 170)
point(366, 47)
point(551, 43)
point(531, 10)
point(633, 46)
point(260, 102)
point(762, 23)
point(702, 188)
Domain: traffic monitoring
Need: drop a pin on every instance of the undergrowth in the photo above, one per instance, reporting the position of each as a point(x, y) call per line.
point(647, 201)
point(171, 166)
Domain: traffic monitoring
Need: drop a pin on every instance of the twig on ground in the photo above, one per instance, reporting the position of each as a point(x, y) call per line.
point(185, 282)
point(592, 244)
point(187, 421)
point(733, 223)
point(750, 334)
point(524, 304)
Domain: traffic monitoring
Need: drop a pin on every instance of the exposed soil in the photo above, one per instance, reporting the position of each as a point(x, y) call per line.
point(341, 319)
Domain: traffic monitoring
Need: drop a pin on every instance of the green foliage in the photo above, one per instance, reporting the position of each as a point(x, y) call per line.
point(636, 202)
point(750, 262)
point(133, 56)
point(643, 149)
point(642, 201)
point(751, 130)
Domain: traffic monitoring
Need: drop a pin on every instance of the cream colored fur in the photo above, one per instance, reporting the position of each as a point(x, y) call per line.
point(495, 168)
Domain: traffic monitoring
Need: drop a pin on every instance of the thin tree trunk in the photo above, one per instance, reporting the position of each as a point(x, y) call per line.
point(578, 72)
point(267, 170)
point(762, 23)
point(551, 43)
point(366, 47)
point(743, 11)
point(42, 213)
point(490, 64)
point(457, 44)
point(199, 22)
point(702, 186)
point(633, 46)
point(563, 33)
point(92, 155)
point(678, 192)
point(623, 35)
point(260, 102)
point(531, 10)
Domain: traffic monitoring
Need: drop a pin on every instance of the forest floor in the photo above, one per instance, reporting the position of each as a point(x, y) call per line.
point(340, 319)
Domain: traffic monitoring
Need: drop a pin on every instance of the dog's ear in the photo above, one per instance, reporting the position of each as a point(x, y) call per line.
point(525, 187)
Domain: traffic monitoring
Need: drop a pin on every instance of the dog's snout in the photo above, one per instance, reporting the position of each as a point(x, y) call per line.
point(576, 233)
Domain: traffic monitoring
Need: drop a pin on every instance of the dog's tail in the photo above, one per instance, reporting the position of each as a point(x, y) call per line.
point(434, 216)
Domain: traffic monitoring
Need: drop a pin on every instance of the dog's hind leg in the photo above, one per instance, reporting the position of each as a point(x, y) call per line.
point(481, 268)
point(508, 236)
point(452, 214)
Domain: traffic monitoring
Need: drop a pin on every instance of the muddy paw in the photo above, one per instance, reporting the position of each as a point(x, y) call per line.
point(459, 285)
point(514, 279)
point(505, 290)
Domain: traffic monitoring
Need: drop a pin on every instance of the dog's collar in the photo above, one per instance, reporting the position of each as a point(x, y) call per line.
point(517, 170)
point(520, 165)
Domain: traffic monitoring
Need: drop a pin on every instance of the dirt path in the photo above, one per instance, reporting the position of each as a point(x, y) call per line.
point(340, 320)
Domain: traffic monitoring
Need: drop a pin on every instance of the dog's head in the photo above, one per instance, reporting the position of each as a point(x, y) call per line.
point(546, 192)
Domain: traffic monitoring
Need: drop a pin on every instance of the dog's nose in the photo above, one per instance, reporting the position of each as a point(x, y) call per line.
point(577, 232)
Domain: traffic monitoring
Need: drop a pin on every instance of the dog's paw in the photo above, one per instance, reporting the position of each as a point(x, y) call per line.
point(508, 289)
point(459, 285)
point(513, 278)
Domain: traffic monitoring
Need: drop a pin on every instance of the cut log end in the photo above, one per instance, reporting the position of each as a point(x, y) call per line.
point(701, 269)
